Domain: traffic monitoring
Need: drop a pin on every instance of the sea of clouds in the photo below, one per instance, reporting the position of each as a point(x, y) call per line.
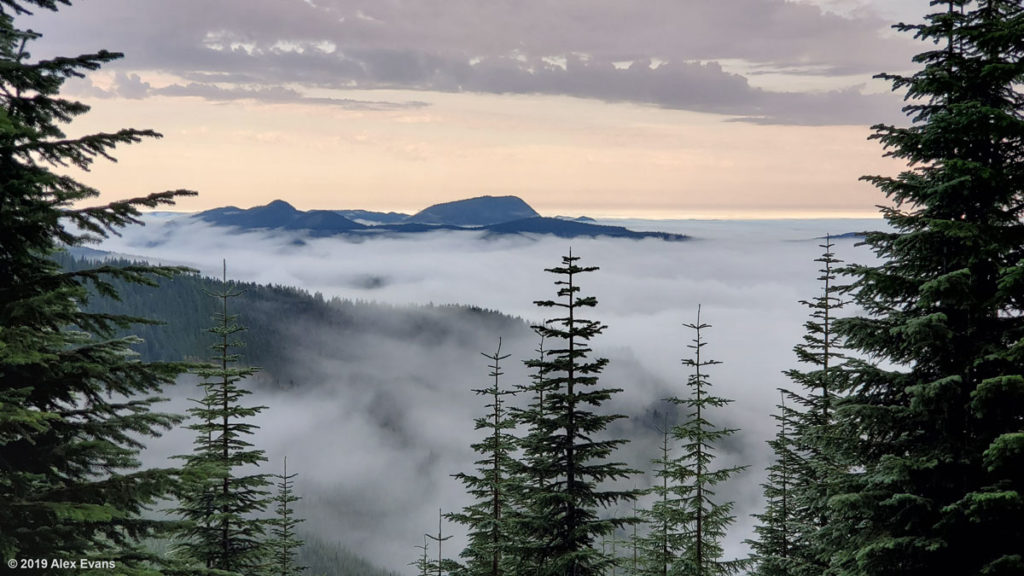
point(377, 437)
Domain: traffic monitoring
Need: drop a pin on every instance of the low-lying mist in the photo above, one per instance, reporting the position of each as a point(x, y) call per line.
point(376, 427)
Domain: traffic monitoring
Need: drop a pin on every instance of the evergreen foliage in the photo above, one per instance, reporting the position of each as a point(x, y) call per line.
point(76, 405)
point(221, 499)
point(423, 563)
point(526, 516)
point(561, 448)
point(332, 559)
point(797, 490)
point(633, 568)
point(704, 521)
point(934, 423)
point(284, 543)
point(664, 543)
point(488, 519)
point(276, 314)
point(773, 549)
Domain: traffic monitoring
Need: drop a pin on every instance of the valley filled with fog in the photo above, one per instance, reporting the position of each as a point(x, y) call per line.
point(377, 427)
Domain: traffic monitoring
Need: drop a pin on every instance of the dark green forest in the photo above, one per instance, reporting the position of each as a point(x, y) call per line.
point(182, 307)
point(900, 442)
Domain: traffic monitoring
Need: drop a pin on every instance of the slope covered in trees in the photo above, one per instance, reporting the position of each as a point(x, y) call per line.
point(274, 314)
point(330, 559)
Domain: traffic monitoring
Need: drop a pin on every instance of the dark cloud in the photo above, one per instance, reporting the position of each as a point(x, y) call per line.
point(573, 47)
point(275, 94)
point(849, 106)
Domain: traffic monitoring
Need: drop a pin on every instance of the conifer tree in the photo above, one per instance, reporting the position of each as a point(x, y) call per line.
point(774, 546)
point(284, 543)
point(442, 565)
point(562, 449)
point(221, 500)
point(706, 520)
point(822, 350)
point(75, 404)
point(797, 490)
point(663, 543)
point(525, 515)
point(610, 546)
point(634, 565)
point(934, 423)
point(488, 519)
point(423, 563)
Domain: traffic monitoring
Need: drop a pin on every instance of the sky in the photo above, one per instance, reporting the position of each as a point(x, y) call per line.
point(613, 108)
point(381, 423)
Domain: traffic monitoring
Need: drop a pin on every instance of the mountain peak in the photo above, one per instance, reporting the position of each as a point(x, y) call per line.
point(278, 205)
point(281, 214)
point(479, 211)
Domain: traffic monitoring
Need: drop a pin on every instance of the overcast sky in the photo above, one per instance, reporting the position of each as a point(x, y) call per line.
point(608, 107)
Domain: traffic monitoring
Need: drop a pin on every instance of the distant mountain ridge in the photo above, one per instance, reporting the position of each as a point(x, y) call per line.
point(280, 214)
point(473, 212)
point(369, 216)
point(495, 215)
point(573, 229)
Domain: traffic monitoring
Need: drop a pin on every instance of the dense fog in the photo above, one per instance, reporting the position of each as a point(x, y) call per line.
point(376, 426)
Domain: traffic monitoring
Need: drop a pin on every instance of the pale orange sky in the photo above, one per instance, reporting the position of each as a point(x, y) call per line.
point(715, 108)
point(562, 155)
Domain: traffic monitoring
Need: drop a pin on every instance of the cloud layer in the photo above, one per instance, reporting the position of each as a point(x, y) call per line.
point(680, 55)
point(380, 426)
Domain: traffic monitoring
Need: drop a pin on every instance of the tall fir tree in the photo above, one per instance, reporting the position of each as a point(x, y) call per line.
point(934, 422)
point(75, 404)
point(222, 498)
point(284, 543)
point(706, 521)
point(490, 547)
point(789, 536)
point(822, 351)
point(562, 446)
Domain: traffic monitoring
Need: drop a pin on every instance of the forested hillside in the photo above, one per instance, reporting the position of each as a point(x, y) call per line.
point(274, 315)
point(324, 558)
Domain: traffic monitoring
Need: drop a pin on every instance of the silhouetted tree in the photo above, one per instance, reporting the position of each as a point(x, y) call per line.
point(423, 563)
point(562, 449)
point(284, 543)
point(221, 500)
point(76, 406)
point(488, 518)
point(704, 520)
point(663, 542)
point(442, 565)
point(790, 534)
point(776, 531)
point(526, 516)
point(932, 480)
